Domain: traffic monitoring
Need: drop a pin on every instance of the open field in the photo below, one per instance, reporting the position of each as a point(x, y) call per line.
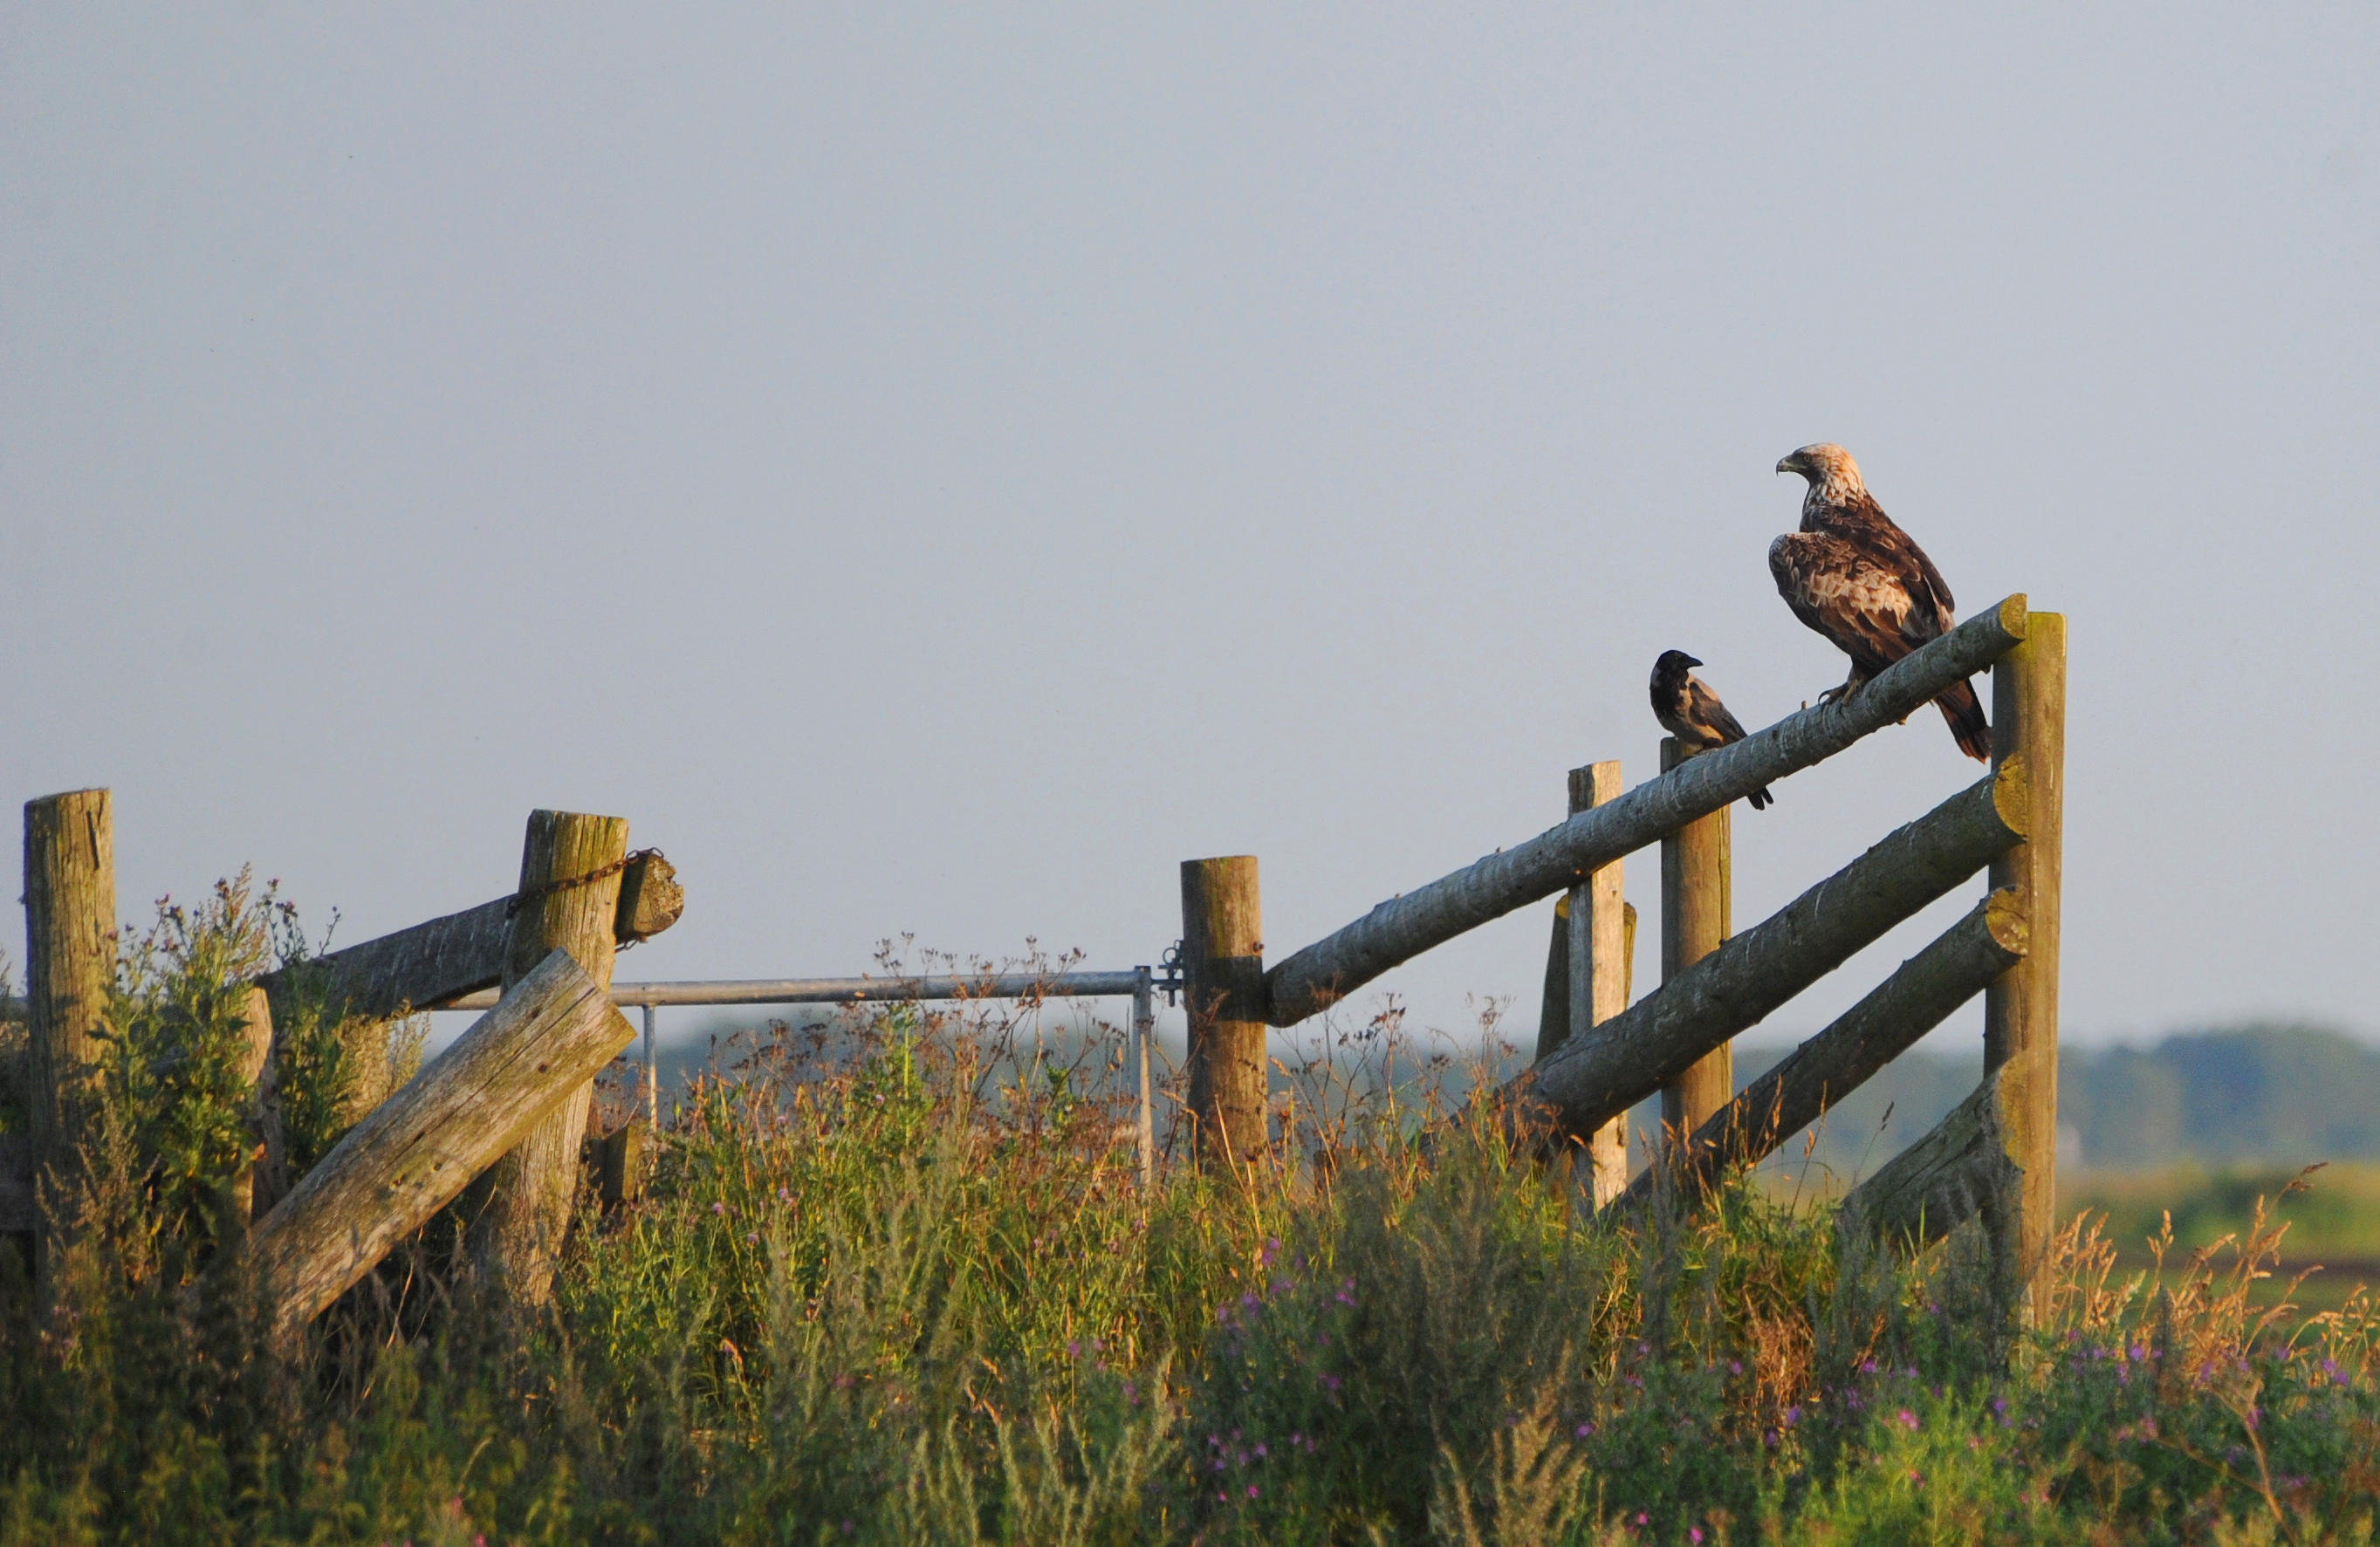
point(896, 1281)
point(881, 1289)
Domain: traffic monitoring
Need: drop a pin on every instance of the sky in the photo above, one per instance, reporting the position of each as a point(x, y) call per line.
point(934, 469)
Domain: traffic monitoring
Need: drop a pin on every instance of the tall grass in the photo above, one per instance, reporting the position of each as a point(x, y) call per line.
point(900, 1284)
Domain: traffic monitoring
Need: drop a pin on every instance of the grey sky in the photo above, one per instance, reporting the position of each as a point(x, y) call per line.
point(934, 469)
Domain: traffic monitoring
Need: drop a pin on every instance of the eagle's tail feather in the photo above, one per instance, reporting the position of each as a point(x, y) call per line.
point(1965, 713)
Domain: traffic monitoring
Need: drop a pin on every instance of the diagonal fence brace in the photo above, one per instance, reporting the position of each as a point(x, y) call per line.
point(1917, 997)
point(1597, 1076)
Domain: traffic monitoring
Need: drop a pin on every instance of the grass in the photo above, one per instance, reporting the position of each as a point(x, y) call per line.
point(2333, 1220)
point(901, 1285)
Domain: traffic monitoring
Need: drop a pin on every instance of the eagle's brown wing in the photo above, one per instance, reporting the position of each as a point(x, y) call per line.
point(1867, 609)
point(1838, 590)
point(1863, 524)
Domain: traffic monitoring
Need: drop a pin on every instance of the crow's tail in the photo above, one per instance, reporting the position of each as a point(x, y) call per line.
point(1965, 713)
point(1762, 799)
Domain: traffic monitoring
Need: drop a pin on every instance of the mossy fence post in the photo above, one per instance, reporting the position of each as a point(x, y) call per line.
point(69, 970)
point(568, 900)
point(2021, 1005)
point(1696, 882)
point(1224, 988)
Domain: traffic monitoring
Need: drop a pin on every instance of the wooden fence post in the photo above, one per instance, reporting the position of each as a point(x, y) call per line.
point(69, 969)
point(1598, 968)
point(1223, 971)
point(2020, 1007)
point(568, 900)
point(1696, 882)
point(255, 1054)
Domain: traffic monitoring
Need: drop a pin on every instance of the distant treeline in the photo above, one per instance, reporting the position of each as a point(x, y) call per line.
point(2267, 1096)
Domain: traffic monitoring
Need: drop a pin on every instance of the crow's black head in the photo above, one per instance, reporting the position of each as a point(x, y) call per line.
point(1671, 668)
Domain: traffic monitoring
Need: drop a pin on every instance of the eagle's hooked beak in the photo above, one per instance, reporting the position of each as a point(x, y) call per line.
point(1785, 465)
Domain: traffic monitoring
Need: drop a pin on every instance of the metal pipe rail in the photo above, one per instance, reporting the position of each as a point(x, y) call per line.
point(1140, 983)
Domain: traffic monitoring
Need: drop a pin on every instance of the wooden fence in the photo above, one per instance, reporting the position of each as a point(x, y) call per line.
point(503, 1109)
point(499, 1114)
point(506, 1105)
point(1598, 1055)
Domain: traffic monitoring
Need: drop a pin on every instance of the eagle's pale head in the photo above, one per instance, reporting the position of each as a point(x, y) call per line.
point(1834, 477)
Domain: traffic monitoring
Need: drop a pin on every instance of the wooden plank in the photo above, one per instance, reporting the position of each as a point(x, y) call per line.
point(420, 968)
point(571, 902)
point(1816, 1076)
point(414, 1153)
point(1328, 970)
point(1222, 972)
point(1599, 952)
point(432, 964)
point(1597, 1077)
point(2021, 1009)
point(1696, 885)
point(69, 968)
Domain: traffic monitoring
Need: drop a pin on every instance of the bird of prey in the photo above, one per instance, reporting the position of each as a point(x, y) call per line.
point(1858, 579)
point(1688, 710)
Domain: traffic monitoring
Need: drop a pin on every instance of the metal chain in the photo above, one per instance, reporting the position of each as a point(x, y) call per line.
point(522, 898)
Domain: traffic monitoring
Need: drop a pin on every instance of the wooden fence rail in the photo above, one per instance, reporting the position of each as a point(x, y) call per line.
point(1885, 1024)
point(433, 964)
point(1593, 1078)
point(1311, 980)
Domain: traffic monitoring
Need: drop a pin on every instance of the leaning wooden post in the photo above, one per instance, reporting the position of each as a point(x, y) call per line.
point(413, 1154)
point(1599, 967)
point(2020, 1007)
point(69, 968)
point(1696, 881)
point(1222, 972)
point(568, 900)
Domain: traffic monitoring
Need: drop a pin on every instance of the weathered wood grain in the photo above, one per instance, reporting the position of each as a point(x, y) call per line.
point(69, 968)
point(432, 964)
point(1601, 953)
point(1959, 1171)
point(416, 1151)
point(2021, 1009)
point(650, 899)
point(1311, 980)
point(255, 1053)
point(1697, 884)
point(519, 1229)
point(1600, 1075)
point(1816, 1076)
point(1222, 972)
point(1553, 1010)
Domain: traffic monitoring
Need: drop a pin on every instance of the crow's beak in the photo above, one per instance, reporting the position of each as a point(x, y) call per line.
point(1692, 662)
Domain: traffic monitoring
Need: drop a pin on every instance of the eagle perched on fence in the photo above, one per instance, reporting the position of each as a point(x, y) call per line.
point(1858, 579)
